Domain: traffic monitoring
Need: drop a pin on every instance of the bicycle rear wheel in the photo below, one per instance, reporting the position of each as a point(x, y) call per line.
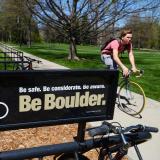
point(131, 98)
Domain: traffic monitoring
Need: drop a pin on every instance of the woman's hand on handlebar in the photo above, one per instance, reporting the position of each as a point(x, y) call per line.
point(125, 71)
point(137, 72)
point(134, 70)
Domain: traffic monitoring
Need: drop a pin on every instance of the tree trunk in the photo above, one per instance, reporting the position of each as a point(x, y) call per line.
point(72, 50)
point(139, 43)
point(29, 32)
point(29, 36)
point(10, 36)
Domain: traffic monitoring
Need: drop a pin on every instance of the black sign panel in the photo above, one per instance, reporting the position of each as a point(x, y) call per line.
point(39, 98)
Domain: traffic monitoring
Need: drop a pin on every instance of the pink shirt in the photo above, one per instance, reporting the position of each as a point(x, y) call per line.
point(116, 45)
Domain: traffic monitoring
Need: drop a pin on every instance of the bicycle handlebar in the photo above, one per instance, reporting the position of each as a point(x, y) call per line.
point(139, 73)
point(140, 127)
point(106, 128)
point(103, 129)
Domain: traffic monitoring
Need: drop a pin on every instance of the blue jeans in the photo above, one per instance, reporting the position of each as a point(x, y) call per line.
point(109, 62)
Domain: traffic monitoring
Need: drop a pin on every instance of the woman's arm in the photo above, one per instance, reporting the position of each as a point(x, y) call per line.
point(119, 62)
point(132, 60)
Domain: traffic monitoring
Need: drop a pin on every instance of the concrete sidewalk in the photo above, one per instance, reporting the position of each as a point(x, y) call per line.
point(150, 117)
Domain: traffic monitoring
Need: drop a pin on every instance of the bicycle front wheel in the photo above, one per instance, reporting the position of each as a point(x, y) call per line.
point(131, 98)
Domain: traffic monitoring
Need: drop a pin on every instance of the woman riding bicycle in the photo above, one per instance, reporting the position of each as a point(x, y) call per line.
point(110, 53)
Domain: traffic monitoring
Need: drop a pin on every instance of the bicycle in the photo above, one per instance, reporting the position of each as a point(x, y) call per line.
point(112, 147)
point(131, 96)
point(112, 139)
point(26, 64)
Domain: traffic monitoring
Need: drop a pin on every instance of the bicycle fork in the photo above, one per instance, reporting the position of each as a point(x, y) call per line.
point(138, 152)
point(124, 149)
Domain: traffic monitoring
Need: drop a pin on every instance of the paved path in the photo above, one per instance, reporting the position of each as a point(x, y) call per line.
point(150, 116)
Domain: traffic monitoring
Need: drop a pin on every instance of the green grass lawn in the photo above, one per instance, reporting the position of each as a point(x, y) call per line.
point(58, 53)
point(147, 60)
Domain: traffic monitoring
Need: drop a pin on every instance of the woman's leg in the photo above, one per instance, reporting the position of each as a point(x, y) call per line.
point(109, 62)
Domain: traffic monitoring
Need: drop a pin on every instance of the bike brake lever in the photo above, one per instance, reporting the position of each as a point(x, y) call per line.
point(132, 128)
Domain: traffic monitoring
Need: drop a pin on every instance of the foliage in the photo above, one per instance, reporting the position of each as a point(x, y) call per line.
point(82, 21)
point(78, 22)
point(17, 22)
point(146, 31)
point(148, 60)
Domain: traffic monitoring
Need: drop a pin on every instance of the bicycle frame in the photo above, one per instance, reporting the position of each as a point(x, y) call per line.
point(25, 65)
point(125, 80)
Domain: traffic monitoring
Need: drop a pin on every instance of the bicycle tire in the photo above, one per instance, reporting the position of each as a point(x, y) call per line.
point(131, 102)
point(70, 156)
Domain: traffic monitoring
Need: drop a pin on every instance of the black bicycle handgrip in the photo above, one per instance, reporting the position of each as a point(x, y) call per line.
point(150, 129)
point(102, 130)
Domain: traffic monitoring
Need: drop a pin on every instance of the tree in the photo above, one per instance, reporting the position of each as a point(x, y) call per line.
point(17, 22)
point(146, 30)
point(65, 15)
